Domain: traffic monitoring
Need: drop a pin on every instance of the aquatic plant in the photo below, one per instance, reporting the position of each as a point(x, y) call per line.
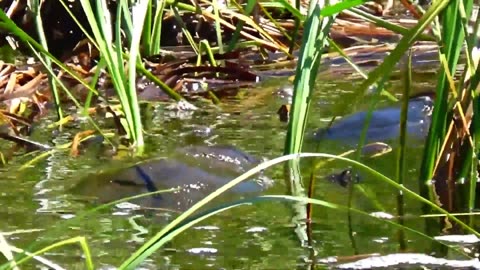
point(453, 132)
point(451, 149)
point(450, 155)
point(111, 51)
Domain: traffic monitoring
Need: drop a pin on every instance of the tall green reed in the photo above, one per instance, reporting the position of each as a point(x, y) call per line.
point(313, 42)
point(401, 171)
point(109, 40)
point(472, 40)
point(35, 6)
point(452, 39)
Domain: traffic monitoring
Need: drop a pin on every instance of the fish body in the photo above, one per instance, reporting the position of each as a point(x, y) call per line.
point(384, 123)
point(194, 172)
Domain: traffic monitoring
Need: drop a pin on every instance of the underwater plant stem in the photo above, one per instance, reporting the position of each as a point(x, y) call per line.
point(401, 157)
point(452, 42)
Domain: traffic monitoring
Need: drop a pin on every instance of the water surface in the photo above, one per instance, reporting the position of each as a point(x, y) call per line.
point(260, 236)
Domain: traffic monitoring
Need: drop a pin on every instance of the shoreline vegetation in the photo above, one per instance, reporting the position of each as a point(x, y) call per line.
point(97, 59)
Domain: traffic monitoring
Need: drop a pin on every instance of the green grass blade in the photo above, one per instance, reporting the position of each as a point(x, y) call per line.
point(139, 11)
point(100, 66)
point(75, 240)
point(452, 42)
point(402, 151)
point(314, 40)
point(111, 51)
point(236, 35)
point(280, 198)
point(205, 46)
point(35, 6)
point(218, 29)
point(147, 249)
point(387, 25)
point(120, 75)
point(185, 32)
point(147, 30)
point(157, 28)
point(388, 64)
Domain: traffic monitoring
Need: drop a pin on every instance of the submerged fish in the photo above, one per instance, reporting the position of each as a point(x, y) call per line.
point(384, 123)
point(195, 172)
point(384, 126)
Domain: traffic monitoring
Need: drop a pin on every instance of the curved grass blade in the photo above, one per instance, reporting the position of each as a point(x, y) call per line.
point(386, 24)
point(88, 101)
point(284, 198)
point(82, 241)
point(236, 35)
point(61, 226)
point(146, 250)
point(357, 68)
point(452, 41)
point(184, 28)
point(386, 67)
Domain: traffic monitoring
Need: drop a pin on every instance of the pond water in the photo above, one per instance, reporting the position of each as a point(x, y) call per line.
point(259, 236)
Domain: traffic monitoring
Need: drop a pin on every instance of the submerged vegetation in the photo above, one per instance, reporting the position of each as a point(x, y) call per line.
point(107, 59)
